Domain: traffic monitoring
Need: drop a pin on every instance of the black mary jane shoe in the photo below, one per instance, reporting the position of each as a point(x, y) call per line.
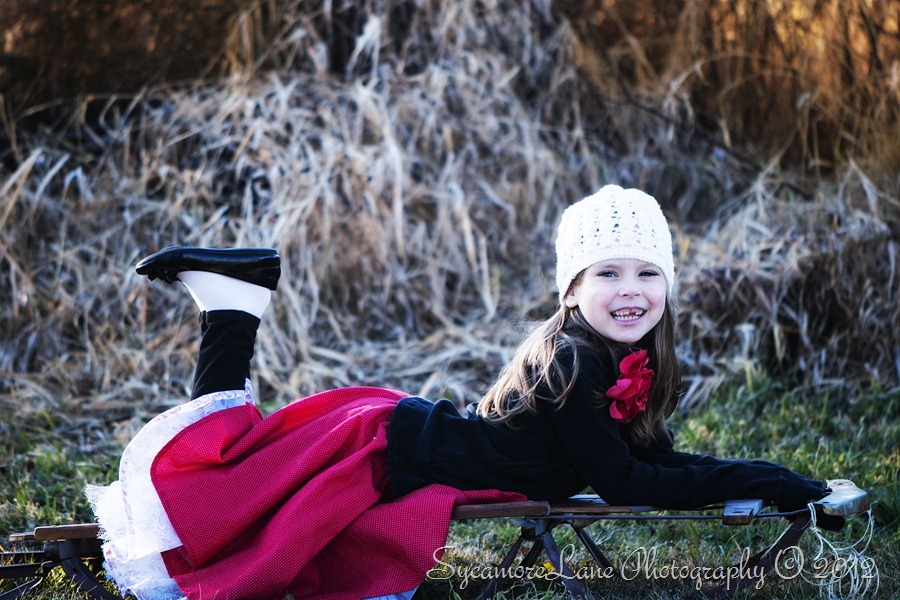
point(259, 266)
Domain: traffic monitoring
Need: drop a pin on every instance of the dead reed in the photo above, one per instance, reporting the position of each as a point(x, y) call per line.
point(809, 82)
point(409, 163)
point(805, 291)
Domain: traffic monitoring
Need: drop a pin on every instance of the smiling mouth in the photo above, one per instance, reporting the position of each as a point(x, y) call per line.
point(628, 314)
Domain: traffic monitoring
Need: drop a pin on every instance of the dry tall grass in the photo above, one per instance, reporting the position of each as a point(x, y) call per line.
point(812, 82)
point(410, 169)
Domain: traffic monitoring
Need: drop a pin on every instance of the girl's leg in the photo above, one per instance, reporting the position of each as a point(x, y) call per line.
point(230, 315)
point(232, 288)
point(226, 347)
point(230, 312)
point(213, 292)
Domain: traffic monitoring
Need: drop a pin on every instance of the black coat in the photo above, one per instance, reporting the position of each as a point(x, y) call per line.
point(560, 451)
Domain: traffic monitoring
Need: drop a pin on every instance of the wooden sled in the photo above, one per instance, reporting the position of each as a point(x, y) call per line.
point(76, 548)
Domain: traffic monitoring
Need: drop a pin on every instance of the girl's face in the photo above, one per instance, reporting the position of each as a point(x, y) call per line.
point(622, 299)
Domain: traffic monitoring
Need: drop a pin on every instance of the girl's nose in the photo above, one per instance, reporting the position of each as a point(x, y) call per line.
point(629, 288)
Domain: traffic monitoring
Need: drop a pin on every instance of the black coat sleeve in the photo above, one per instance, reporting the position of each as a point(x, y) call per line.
point(596, 447)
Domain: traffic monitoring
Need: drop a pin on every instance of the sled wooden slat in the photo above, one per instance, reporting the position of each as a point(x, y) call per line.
point(741, 512)
point(502, 509)
point(66, 532)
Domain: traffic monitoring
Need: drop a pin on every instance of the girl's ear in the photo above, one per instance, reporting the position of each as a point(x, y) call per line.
point(570, 300)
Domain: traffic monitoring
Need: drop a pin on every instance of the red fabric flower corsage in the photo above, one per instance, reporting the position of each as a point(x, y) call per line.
point(629, 395)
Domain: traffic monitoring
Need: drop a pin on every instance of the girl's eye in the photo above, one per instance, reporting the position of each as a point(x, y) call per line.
point(649, 273)
point(606, 274)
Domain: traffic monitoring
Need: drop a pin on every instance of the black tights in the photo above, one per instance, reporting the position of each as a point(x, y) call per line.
point(226, 347)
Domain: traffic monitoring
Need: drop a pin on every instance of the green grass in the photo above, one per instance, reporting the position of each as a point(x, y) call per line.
point(42, 472)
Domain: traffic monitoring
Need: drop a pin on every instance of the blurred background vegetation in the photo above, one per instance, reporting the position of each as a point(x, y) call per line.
point(409, 159)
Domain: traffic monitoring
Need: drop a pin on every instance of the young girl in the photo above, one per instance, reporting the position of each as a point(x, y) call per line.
point(213, 500)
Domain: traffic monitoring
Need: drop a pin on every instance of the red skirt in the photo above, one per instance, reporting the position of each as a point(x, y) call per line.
point(293, 503)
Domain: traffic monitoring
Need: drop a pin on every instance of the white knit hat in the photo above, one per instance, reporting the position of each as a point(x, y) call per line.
point(613, 223)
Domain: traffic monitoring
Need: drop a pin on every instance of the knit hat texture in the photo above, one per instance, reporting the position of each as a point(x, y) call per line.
point(612, 223)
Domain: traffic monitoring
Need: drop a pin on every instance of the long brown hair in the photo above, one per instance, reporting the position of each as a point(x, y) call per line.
point(536, 366)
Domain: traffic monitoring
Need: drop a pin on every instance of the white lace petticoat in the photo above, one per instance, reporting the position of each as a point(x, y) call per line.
point(132, 520)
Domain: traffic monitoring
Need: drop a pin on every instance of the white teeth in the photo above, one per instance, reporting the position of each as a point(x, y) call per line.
point(628, 314)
